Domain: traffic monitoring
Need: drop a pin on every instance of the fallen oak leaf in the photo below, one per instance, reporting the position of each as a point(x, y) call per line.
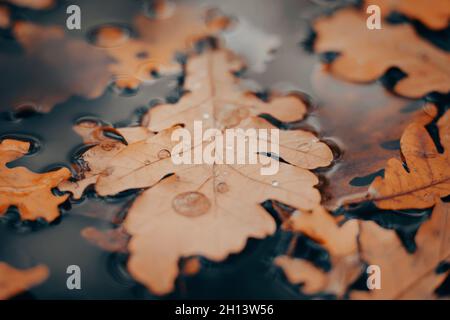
point(196, 211)
point(435, 14)
point(366, 55)
point(426, 178)
point(158, 40)
point(30, 192)
point(14, 281)
point(342, 113)
point(314, 281)
point(339, 241)
point(418, 278)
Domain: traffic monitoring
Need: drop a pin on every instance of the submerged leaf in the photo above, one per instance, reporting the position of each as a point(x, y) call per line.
point(30, 192)
point(366, 55)
point(14, 281)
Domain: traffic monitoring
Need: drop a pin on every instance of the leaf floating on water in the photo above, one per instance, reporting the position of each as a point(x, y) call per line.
point(30, 192)
point(199, 210)
point(50, 56)
point(159, 39)
point(427, 176)
point(14, 281)
point(366, 55)
point(435, 14)
point(360, 118)
point(339, 241)
point(405, 275)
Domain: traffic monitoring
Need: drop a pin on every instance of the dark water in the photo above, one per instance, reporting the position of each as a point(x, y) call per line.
point(250, 274)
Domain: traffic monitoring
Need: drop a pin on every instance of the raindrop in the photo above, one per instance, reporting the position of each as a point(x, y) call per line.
point(163, 154)
point(222, 187)
point(191, 204)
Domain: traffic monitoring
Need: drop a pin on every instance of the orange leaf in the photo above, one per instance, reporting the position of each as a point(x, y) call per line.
point(365, 55)
point(14, 281)
point(405, 275)
point(428, 176)
point(30, 192)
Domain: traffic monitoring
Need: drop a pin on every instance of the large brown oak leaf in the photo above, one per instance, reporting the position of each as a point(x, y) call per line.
point(199, 208)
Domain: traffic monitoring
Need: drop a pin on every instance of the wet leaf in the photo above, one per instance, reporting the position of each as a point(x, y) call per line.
point(426, 177)
point(365, 55)
point(30, 192)
point(339, 241)
point(361, 120)
point(37, 79)
point(199, 209)
point(435, 14)
point(158, 40)
point(14, 281)
point(405, 275)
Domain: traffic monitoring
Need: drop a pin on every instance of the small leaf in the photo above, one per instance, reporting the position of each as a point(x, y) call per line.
point(30, 192)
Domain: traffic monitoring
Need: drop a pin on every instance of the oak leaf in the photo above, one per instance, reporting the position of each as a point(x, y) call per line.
point(14, 281)
point(199, 210)
point(426, 177)
point(366, 55)
point(405, 275)
point(435, 14)
point(365, 146)
point(30, 192)
point(340, 242)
